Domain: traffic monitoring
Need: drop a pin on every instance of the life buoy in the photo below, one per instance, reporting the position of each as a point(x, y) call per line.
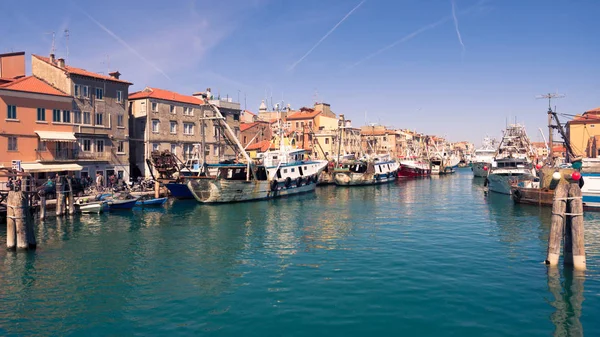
point(274, 185)
point(299, 182)
point(517, 195)
point(288, 181)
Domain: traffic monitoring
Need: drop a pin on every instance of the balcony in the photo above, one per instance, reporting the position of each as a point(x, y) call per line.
point(66, 155)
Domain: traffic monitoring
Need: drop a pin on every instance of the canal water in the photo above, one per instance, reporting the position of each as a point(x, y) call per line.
point(429, 257)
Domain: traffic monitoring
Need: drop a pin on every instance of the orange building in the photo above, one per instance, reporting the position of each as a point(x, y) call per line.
point(29, 139)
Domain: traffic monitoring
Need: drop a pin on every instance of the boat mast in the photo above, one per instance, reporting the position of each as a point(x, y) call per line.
point(341, 138)
point(220, 117)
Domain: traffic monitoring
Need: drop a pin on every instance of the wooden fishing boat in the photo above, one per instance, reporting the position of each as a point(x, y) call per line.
point(529, 192)
point(121, 202)
point(179, 190)
point(151, 202)
point(366, 172)
point(91, 207)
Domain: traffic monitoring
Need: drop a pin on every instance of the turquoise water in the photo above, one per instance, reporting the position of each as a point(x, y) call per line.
point(431, 257)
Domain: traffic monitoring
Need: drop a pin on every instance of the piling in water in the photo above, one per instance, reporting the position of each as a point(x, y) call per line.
point(71, 198)
point(558, 221)
point(577, 236)
point(20, 234)
point(60, 197)
point(42, 195)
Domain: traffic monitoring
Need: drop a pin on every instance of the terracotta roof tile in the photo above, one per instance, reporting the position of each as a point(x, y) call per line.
point(165, 95)
point(596, 110)
point(261, 146)
point(304, 115)
point(32, 84)
point(246, 126)
point(81, 72)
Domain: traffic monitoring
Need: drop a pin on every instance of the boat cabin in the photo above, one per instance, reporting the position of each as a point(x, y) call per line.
point(275, 158)
point(239, 172)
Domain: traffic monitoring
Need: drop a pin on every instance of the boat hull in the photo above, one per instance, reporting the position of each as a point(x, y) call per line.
point(590, 190)
point(478, 169)
point(411, 171)
point(499, 184)
point(152, 202)
point(362, 179)
point(179, 191)
point(96, 207)
point(532, 196)
point(228, 191)
point(121, 204)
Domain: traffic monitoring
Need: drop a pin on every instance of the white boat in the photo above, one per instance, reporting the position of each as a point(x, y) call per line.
point(484, 156)
point(379, 170)
point(91, 207)
point(590, 191)
point(276, 173)
point(512, 161)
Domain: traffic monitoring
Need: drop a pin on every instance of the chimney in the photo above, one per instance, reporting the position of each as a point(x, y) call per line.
point(52, 59)
point(61, 63)
point(115, 74)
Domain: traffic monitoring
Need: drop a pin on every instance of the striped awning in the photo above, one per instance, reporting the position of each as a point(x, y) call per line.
point(56, 136)
point(39, 167)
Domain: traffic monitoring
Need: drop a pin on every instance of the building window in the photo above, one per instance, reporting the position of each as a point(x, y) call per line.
point(66, 116)
point(99, 93)
point(172, 109)
point(119, 96)
point(188, 128)
point(326, 140)
point(173, 148)
point(173, 127)
point(99, 118)
point(99, 146)
point(77, 117)
point(188, 149)
point(41, 114)
point(77, 91)
point(86, 91)
point(87, 117)
point(154, 106)
point(245, 140)
point(297, 125)
point(155, 125)
point(12, 143)
point(87, 145)
point(155, 147)
point(119, 120)
point(121, 146)
point(236, 117)
point(42, 146)
point(11, 112)
point(56, 115)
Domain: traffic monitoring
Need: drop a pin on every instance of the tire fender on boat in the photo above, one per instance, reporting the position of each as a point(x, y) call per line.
point(274, 185)
point(288, 181)
point(517, 195)
point(315, 178)
point(485, 182)
point(299, 182)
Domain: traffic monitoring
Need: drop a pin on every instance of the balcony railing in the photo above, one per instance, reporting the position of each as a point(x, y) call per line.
point(71, 155)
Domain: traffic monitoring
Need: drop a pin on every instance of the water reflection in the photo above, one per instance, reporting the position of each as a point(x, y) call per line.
point(568, 300)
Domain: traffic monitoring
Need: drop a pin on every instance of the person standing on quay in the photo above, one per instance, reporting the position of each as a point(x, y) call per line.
point(99, 181)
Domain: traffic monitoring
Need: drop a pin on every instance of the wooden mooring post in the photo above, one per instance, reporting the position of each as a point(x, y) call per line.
point(567, 224)
point(19, 222)
point(60, 197)
point(71, 197)
point(42, 195)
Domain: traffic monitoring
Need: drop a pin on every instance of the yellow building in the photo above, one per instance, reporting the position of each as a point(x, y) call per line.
point(583, 128)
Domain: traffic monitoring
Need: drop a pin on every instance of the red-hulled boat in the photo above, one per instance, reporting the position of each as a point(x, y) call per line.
point(413, 168)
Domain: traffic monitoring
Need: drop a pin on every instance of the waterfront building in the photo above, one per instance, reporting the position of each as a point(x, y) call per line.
point(248, 117)
point(255, 132)
point(377, 139)
point(582, 130)
point(306, 123)
point(221, 147)
point(98, 114)
point(33, 134)
point(163, 120)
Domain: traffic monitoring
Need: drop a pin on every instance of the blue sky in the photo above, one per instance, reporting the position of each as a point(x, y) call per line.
point(400, 63)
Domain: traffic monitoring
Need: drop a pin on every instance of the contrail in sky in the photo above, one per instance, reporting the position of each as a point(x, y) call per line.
point(456, 25)
point(326, 35)
point(402, 40)
point(126, 45)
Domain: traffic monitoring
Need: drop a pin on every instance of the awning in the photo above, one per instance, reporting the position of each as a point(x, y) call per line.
point(56, 136)
point(39, 167)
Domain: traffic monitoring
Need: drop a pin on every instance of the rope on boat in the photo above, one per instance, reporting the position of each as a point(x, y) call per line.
point(568, 198)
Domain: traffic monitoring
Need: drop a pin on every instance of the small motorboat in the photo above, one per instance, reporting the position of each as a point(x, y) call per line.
point(121, 202)
point(90, 207)
point(148, 201)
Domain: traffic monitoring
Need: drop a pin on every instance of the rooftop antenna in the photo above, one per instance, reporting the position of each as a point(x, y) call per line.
point(67, 44)
point(550, 96)
point(53, 47)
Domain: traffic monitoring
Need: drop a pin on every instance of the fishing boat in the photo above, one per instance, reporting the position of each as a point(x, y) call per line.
point(179, 189)
point(274, 174)
point(378, 170)
point(148, 201)
point(413, 165)
point(512, 162)
point(483, 158)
